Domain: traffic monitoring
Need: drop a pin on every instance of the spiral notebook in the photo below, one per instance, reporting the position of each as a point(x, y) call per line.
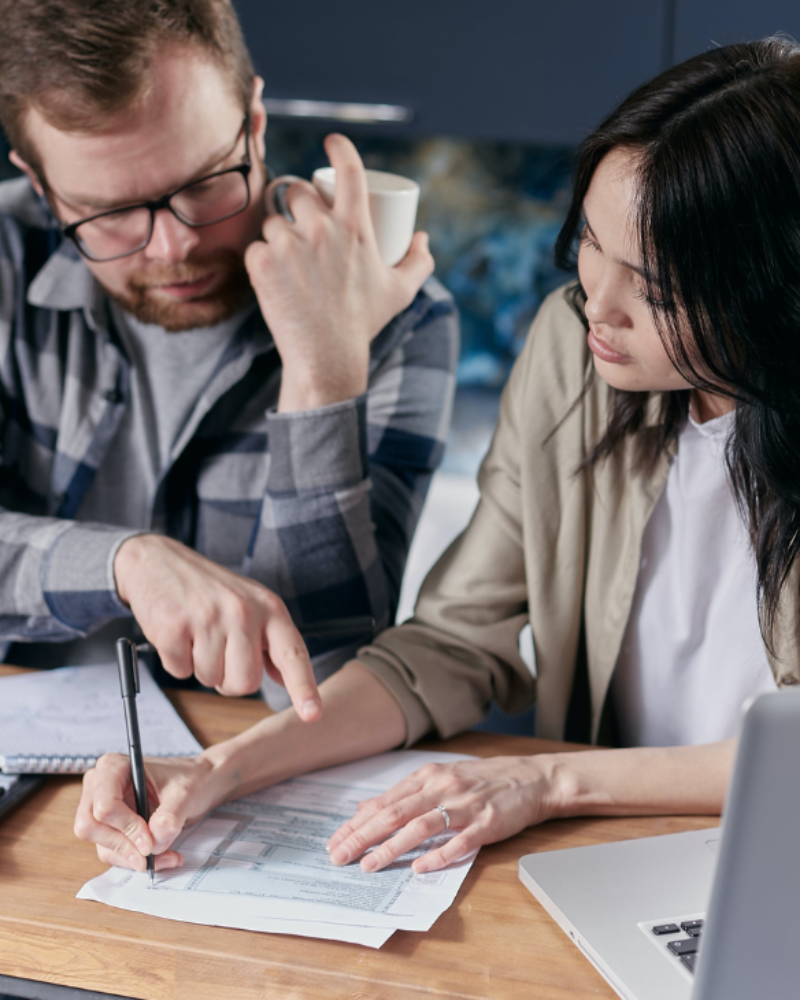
point(61, 721)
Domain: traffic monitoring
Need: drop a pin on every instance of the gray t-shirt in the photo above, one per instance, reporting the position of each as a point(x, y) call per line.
point(168, 374)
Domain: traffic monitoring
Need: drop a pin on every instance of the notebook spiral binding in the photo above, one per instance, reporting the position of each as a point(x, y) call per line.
point(48, 765)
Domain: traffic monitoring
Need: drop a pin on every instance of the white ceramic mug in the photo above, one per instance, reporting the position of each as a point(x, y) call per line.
point(392, 205)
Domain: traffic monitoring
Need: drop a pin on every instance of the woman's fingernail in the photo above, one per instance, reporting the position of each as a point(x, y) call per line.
point(370, 863)
point(340, 856)
point(144, 847)
point(309, 707)
point(135, 861)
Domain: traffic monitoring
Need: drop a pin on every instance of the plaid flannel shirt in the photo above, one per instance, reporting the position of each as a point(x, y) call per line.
point(319, 506)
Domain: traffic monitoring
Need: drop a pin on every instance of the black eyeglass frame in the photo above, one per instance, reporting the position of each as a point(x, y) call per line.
point(70, 231)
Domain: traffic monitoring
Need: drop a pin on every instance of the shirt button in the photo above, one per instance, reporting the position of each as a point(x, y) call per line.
point(112, 396)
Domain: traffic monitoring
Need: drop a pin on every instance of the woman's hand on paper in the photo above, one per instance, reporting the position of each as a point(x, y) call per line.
point(179, 790)
point(485, 800)
point(488, 800)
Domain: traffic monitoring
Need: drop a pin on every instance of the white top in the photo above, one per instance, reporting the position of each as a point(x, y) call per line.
point(692, 653)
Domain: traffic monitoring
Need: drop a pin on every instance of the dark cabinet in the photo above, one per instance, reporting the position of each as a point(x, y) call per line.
point(542, 71)
point(701, 24)
point(525, 70)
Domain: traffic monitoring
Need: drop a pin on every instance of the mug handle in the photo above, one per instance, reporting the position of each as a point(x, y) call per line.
point(275, 195)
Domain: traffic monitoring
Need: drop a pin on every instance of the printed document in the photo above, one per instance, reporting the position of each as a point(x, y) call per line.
point(260, 863)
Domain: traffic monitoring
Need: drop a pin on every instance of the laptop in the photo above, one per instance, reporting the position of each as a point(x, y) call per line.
point(709, 914)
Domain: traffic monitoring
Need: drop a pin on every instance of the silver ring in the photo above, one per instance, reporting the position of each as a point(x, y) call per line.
point(445, 816)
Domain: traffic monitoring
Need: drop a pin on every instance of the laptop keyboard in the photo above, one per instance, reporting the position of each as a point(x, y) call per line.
point(682, 939)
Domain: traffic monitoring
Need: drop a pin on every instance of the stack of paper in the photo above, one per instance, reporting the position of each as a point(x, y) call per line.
point(260, 864)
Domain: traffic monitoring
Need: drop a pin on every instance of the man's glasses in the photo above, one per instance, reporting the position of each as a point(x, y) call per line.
point(204, 202)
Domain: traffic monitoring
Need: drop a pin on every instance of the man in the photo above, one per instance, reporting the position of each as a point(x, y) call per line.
point(208, 416)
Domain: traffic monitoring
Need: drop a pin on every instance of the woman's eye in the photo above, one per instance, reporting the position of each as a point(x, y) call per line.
point(587, 239)
point(654, 303)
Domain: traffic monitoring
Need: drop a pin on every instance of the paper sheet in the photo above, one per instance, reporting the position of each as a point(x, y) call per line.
point(75, 714)
point(130, 891)
point(260, 863)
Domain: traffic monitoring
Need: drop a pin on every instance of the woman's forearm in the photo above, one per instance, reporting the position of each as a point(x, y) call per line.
point(359, 717)
point(642, 780)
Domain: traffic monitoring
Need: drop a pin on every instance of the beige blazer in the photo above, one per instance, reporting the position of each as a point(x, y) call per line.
point(547, 545)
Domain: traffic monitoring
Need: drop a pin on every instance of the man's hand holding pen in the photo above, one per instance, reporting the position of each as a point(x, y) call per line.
point(206, 620)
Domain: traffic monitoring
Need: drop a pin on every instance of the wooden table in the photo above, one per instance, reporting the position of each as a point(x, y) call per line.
point(494, 942)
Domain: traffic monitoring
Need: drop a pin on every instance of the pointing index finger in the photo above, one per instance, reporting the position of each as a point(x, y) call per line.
point(287, 651)
point(351, 198)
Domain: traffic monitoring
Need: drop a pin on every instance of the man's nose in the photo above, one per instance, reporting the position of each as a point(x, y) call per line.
point(172, 241)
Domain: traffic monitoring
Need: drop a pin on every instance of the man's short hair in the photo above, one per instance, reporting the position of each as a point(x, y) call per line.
point(80, 63)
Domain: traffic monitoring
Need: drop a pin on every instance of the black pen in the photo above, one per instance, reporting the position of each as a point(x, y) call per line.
point(129, 684)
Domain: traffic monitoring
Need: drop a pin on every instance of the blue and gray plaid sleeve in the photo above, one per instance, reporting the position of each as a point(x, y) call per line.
point(56, 577)
point(347, 482)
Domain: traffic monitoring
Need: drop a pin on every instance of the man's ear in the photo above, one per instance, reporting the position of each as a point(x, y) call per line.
point(29, 172)
point(258, 117)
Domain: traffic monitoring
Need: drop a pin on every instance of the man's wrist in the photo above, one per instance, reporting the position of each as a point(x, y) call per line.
point(311, 390)
point(126, 560)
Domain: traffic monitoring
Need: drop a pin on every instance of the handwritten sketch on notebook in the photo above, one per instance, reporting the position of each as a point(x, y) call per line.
point(260, 863)
point(63, 720)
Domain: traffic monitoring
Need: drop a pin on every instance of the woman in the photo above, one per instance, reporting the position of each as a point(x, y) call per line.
point(640, 507)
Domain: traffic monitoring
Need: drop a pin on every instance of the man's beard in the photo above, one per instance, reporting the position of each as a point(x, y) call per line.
point(177, 315)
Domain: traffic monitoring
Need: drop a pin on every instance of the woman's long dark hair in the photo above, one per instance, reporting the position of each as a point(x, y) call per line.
point(717, 144)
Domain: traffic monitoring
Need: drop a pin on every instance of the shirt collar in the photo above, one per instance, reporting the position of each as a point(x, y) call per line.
point(64, 282)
